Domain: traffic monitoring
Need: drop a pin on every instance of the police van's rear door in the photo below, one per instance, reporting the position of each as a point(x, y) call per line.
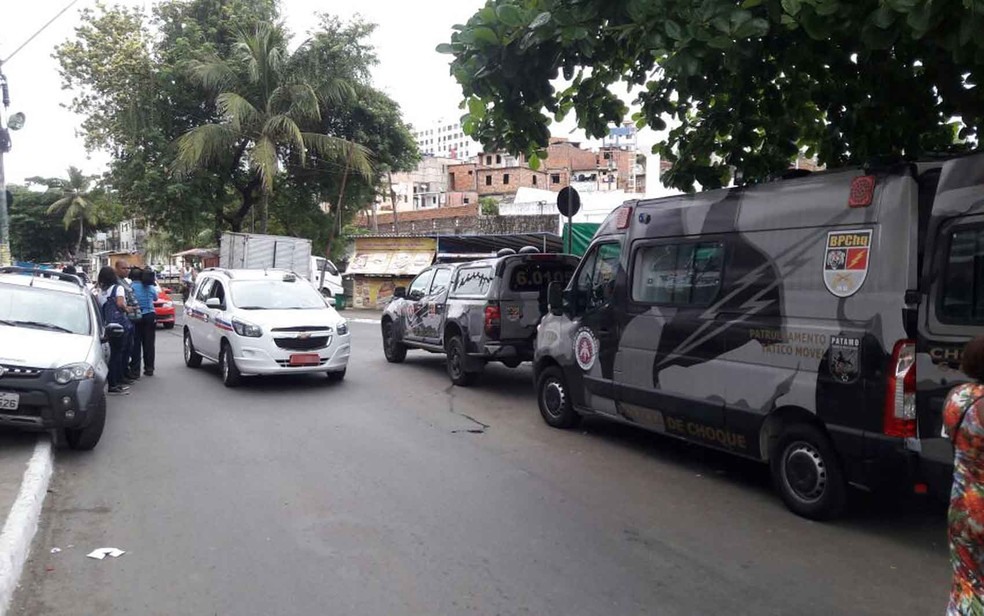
point(523, 291)
point(951, 312)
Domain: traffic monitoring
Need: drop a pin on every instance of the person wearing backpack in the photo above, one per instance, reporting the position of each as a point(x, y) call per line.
point(114, 311)
point(123, 272)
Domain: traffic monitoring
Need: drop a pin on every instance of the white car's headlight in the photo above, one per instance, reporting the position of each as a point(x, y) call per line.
point(342, 328)
point(244, 328)
point(74, 372)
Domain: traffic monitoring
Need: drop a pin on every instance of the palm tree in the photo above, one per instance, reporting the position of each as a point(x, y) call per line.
point(263, 100)
point(76, 203)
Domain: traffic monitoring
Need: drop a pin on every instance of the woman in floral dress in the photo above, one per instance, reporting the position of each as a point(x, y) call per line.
point(963, 423)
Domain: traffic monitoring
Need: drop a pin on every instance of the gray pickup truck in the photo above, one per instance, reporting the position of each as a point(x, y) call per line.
point(474, 312)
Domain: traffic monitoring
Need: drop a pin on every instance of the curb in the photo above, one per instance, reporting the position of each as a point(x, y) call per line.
point(22, 521)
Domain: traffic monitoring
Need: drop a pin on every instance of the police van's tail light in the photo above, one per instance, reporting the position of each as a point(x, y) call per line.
point(900, 394)
point(624, 217)
point(862, 191)
point(493, 321)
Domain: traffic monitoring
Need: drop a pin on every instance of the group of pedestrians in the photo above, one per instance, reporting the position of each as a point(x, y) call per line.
point(127, 295)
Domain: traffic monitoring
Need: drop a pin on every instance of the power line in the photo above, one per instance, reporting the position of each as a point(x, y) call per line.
point(43, 28)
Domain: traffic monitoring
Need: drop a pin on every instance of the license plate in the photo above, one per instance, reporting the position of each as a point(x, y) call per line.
point(305, 359)
point(9, 402)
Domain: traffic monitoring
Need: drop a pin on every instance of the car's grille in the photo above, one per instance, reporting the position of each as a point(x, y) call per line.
point(303, 328)
point(21, 372)
point(302, 344)
point(285, 363)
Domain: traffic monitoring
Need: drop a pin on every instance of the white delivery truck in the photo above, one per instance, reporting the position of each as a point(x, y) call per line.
point(256, 251)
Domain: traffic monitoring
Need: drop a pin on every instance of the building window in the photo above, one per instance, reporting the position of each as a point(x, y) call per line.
point(467, 200)
point(469, 172)
point(505, 178)
point(498, 159)
point(534, 180)
point(555, 178)
point(488, 160)
point(488, 180)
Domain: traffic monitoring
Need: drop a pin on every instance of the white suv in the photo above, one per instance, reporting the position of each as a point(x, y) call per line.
point(263, 322)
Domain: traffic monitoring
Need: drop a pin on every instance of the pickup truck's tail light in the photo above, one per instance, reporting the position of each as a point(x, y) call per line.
point(900, 392)
point(493, 321)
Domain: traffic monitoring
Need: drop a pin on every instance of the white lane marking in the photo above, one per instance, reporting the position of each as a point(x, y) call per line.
point(366, 321)
point(22, 521)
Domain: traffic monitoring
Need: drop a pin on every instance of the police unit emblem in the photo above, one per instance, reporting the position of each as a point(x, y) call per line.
point(844, 361)
point(845, 262)
point(585, 348)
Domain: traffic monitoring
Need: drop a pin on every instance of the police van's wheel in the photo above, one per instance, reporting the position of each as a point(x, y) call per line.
point(191, 357)
point(554, 399)
point(456, 363)
point(807, 473)
point(231, 377)
point(394, 350)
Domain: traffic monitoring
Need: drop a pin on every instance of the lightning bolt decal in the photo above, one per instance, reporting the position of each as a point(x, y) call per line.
point(857, 259)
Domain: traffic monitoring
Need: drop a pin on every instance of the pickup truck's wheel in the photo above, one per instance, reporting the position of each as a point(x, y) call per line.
point(86, 438)
point(807, 473)
point(394, 350)
point(456, 363)
point(231, 377)
point(554, 399)
point(191, 357)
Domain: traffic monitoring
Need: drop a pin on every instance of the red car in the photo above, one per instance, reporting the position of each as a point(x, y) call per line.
point(164, 309)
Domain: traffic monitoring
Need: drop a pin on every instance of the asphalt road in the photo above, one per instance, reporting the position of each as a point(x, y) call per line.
point(393, 493)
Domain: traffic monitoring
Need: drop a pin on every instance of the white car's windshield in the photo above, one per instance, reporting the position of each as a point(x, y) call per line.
point(43, 309)
point(275, 295)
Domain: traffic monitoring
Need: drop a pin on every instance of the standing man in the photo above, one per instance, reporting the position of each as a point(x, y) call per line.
point(132, 312)
point(186, 281)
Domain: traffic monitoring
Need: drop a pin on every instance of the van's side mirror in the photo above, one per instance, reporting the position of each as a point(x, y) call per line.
point(213, 302)
point(400, 292)
point(555, 298)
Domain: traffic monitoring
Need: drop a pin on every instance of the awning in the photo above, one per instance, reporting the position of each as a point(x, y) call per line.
point(197, 252)
point(382, 263)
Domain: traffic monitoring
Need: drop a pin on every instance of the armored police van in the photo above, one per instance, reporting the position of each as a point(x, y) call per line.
point(814, 323)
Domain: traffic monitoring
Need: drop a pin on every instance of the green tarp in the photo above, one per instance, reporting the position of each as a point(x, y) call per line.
point(581, 235)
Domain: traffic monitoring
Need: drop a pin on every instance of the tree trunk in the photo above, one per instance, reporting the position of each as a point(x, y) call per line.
point(396, 215)
point(338, 204)
point(78, 247)
point(374, 210)
point(264, 211)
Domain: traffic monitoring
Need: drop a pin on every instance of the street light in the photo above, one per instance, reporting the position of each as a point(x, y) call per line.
point(14, 123)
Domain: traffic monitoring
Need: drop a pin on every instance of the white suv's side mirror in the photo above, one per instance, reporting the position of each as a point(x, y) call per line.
point(213, 302)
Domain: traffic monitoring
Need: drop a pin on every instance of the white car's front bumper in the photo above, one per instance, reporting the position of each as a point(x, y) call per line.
point(262, 356)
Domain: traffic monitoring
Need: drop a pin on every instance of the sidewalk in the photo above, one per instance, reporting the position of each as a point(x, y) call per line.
point(25, 468)
point(359, 315)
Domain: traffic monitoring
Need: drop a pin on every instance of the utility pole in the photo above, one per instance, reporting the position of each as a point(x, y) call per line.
point(4, 147)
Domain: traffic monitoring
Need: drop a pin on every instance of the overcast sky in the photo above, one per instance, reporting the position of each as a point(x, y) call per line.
point(409, 70)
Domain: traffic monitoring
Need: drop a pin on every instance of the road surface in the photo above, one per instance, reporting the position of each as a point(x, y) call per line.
point(393, 493)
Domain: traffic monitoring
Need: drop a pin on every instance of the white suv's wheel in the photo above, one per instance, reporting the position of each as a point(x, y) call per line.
point(191, 357)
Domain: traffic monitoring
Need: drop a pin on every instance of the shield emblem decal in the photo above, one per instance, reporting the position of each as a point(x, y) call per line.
point(845, 261)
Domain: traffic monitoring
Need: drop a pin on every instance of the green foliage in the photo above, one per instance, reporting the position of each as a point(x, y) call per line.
point(198, 67)
point(744, 85)
point(36, 235)
point(489, 206)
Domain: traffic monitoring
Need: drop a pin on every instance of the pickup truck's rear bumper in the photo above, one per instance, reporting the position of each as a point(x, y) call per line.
point(506, 350)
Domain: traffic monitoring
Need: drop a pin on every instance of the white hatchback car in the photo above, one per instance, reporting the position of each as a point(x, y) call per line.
point(263, 322)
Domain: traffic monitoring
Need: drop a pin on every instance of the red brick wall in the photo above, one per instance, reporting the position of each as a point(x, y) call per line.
point(564, 155)
point(461, 177)
point(421, 215)
point(458, 199)
point(492, 181)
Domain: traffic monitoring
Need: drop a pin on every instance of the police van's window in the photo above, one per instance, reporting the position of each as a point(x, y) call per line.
point(677, 273)
point(472, 281)
point(536, 275)
point(596, 280)
point(963, 282)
